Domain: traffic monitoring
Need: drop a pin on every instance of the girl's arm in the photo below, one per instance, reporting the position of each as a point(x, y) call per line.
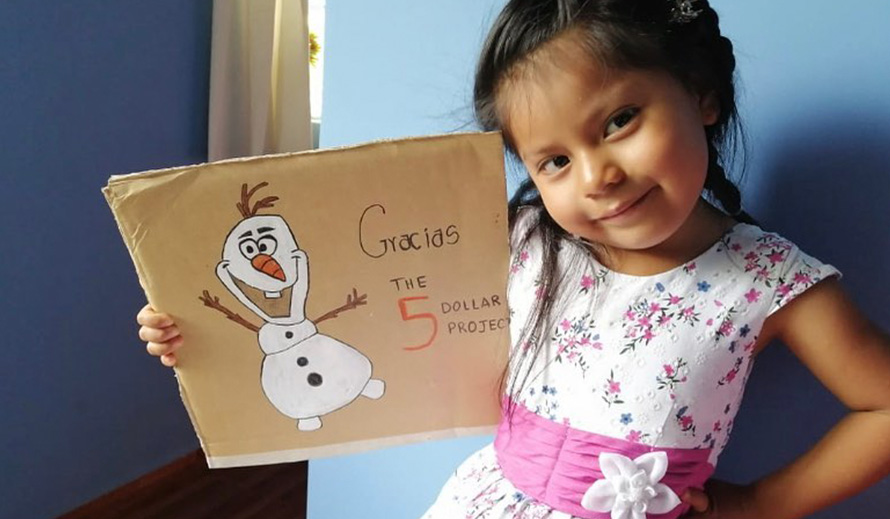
point(851, 357)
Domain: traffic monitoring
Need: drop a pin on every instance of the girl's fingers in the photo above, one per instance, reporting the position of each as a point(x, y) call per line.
point(150, 318)
point(149, 334)
point(159, 349)
point(161, 335)
point(697, 499)
point(168, 360)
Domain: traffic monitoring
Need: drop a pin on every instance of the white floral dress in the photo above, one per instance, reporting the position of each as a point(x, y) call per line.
point(660, 360)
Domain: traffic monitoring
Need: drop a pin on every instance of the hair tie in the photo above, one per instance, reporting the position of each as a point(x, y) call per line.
point(683, 11)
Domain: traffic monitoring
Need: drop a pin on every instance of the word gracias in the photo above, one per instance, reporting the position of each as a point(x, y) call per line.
point(407, 241)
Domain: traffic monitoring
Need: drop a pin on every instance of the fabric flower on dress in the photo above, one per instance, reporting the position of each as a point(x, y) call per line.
point(630, 488)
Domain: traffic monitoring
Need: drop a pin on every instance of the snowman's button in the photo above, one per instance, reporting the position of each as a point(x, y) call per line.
point(289, 334)
point(314, 379)
point(302, 361)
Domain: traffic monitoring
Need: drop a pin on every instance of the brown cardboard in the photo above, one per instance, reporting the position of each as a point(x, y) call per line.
point(400, 237)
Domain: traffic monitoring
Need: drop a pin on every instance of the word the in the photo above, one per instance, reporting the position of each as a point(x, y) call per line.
point(408, 283)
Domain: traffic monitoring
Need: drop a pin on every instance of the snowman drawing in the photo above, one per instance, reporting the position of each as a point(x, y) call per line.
point(305, 374)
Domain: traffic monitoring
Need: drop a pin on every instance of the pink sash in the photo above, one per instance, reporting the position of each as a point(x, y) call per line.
point(556, 464)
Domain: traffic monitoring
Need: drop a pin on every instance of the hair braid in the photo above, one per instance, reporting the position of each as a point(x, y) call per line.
point(722, 189)
point(711, 64)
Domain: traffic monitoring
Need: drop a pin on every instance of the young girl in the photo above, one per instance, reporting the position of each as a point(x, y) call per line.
point(640, 290)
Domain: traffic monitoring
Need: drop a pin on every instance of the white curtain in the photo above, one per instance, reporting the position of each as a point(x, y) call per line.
point(259, 78)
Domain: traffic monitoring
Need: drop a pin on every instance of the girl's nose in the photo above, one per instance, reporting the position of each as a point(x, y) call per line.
point(598, 176)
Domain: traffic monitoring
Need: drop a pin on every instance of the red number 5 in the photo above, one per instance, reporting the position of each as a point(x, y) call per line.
point(403, 308)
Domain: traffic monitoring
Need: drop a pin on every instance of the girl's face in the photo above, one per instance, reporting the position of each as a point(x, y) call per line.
point(619, 156)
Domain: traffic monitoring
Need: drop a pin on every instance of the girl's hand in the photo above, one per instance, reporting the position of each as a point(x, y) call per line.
point(721, 500)
point(160, 333)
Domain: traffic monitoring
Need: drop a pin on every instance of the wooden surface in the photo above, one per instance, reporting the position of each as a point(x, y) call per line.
point(186, 488)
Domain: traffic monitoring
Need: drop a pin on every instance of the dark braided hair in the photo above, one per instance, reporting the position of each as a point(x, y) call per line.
point(624, 34)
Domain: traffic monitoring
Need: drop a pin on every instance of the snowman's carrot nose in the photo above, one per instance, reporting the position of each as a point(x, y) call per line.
point(265, 264)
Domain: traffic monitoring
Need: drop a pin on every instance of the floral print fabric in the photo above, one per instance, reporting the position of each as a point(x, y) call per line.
point(660, 360)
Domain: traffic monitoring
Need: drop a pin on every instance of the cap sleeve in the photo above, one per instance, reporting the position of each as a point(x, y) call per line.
point(797, 274)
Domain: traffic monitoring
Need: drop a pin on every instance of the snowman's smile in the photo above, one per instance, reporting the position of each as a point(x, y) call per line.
point(268, 302)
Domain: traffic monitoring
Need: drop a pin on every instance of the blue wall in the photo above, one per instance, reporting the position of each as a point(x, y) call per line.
point(815, 102)
point(87, 89)
point(817, 110)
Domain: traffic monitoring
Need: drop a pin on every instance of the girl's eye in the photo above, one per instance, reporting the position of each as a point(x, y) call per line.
point(622, 119)
point(555, 164)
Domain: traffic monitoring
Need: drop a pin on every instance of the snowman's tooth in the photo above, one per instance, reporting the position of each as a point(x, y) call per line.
point(272, 295)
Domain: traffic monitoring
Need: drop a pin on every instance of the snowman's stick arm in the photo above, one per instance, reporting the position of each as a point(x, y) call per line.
point(213, 302)
point(353, 300)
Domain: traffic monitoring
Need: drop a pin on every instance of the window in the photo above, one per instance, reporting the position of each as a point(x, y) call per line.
point(316, 67)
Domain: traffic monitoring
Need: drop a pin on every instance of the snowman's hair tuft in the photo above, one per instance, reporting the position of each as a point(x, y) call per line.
point(244, 205)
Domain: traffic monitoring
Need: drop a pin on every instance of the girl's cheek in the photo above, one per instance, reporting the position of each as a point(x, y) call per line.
point(558, 208)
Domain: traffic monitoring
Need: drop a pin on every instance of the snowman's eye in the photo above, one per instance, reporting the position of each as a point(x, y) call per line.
point(248, 248)
point(267, 245)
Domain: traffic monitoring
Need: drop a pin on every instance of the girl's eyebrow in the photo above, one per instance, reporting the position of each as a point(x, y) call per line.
point(594, 108)
point(544, 151)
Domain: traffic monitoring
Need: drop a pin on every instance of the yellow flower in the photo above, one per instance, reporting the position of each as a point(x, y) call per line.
point(314, 48)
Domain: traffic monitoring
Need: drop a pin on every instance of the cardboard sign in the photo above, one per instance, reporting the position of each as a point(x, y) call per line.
point(331, 301)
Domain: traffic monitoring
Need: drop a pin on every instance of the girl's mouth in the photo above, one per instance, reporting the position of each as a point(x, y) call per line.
point(624, 209)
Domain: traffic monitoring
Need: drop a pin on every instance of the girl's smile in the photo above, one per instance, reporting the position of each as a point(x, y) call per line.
point(624, 211)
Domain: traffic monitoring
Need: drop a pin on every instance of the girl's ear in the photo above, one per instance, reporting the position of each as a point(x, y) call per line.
point(709, 107)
